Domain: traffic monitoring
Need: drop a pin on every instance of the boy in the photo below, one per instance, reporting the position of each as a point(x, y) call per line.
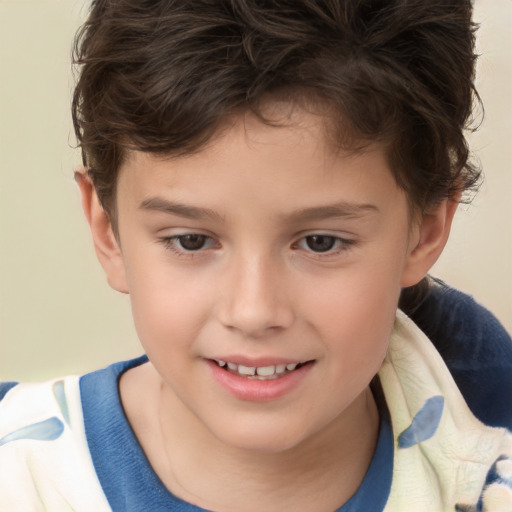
point(267, 180)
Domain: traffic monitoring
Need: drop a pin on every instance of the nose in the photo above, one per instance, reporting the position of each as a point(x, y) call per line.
point(255, 297)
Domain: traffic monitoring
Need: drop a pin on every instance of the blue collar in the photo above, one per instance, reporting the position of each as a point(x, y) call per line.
point(128, 480)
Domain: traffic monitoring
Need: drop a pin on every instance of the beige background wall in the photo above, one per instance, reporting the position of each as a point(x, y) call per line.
point(57, 314)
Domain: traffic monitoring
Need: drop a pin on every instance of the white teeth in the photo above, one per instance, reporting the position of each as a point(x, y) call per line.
point(246, 370)
point(261, 372)
point(266, 371)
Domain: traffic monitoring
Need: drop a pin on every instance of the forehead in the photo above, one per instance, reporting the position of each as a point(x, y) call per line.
point(293, 117)
point(288, 160)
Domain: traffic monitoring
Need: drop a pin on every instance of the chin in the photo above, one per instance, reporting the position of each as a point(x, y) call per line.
point(262, 445)
point(262, 437)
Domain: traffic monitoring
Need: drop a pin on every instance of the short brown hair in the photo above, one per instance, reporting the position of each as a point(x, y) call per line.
point(161, 76)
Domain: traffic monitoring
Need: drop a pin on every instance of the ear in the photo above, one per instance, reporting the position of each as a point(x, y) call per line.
point(106, 244)
point(428, 240)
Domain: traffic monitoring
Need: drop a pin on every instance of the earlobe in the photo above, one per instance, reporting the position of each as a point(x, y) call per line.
point(428, 242)
point(106, 244)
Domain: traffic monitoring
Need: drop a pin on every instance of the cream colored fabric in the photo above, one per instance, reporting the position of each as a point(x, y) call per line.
point(448, 470)
point(45, 465)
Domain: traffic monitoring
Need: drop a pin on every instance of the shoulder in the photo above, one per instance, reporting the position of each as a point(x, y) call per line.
point(475, 347)
point(444, 456)
point(32, 403)
point(43, 449)
point(453, 319)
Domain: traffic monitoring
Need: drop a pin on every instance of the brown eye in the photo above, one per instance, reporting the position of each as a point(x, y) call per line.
point(192, 242)
point(320, 243)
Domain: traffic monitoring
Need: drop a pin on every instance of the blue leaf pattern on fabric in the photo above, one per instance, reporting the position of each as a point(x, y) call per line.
point(60, 395)
point(5, 387)
point(424, 424)
point(47, 430)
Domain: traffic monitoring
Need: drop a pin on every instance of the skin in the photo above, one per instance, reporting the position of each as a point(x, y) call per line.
point(259, 288)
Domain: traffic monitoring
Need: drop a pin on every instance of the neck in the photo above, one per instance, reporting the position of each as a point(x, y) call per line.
point(321, 473)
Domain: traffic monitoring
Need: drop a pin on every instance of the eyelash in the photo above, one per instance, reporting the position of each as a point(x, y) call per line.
point(340, 245)
point(173, 243)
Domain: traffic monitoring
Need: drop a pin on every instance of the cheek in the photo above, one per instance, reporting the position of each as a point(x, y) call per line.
point(355, 315)
point(169, 306)
point(359, 325)
point(360, 300)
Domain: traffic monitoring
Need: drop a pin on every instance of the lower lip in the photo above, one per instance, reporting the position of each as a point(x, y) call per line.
point(256, 390)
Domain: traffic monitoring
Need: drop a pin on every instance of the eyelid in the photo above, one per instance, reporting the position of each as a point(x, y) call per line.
point(342, 244)
point(171, 243)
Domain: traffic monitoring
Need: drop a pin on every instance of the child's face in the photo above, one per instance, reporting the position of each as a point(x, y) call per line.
point(265, 249)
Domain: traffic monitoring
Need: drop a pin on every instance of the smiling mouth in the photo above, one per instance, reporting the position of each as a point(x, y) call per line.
point(260, 372)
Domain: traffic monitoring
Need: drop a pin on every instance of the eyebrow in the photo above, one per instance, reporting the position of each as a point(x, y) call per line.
point(343, 209)
point(179, 209)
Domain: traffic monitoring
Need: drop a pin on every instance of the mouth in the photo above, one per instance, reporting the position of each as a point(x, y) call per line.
point(269, 372)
